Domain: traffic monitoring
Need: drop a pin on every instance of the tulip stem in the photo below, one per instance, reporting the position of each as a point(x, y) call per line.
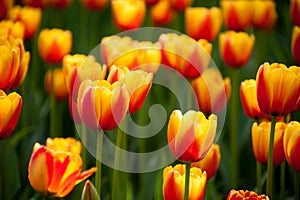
point(83, 139)
point(258, 177)
point(296, 185)
point(98, 163)
point(187, 181)
point(270, 158)
point(282, 181)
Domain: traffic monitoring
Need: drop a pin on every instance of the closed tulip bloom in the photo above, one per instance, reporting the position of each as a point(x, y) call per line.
point(191, 136)
point(265, 15)
point(55, 173)
point(203, 23)
point(8, 28)
point(151, 2)
point(116, 73)
point(128, 14)
point(237, 14)
point(173, 183)
point(64, 144)
point(29, 16)
point(101, 104)
point(260, 142)
point(55, 83)
point(278, 88)
point(244, 195)
point(10, 109)
point(212, 91)
point(54, 44)
point(181, 5)
point(296, 44)
point(291, 144)
point(210, 162)
point(295, 11)
point(162, 13)
point(249, 100)
point(94, 4)
point(236, 48)
point(5, 5)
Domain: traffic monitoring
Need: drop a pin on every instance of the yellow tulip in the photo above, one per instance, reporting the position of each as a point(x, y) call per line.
point(9, 28)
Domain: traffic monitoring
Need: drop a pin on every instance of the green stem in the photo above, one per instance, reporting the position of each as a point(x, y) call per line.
point(98, 163)
point(187, 181)
point(83, 139)
point(296, 185)
point(282, 180)
point(258, 177)
point(234, 127)
point(270, 158)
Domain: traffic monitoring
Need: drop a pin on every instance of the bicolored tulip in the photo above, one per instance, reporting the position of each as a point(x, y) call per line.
point(162, 13)
point(10, 109)
point(54, 44)
point(64, 144)
point(245, 194)
point(249, 100)
point(5, 5)
point(191, 136)
point(116, 73)
point(180, 5)
point(212, 91)
point(8, 28)
point(55, 173)
point(173, 183)
point(203, 23)
point(295, 11)
point(210, 162)
point(128, 14)
point(29, 16)
point(55, 83)
point(265, 15)
point(291, 144)
point(187, 56)
point(296, 44)
point(236, 48)
point(278, 88)
point(260, 142)
point(35, 3)
point(94, 4)
point(101, 104)
point(237, 14)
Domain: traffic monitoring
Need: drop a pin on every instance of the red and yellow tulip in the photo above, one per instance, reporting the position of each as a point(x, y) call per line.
point(8, 28)
point(116, 73)
point(295, 44)
point(5, 5)
point(162, 13)
point(94, 4)
point(35, 3)
point(265, 15)
point(245, 194)
point(180, 5)
point(295, 11)
point(55, 83)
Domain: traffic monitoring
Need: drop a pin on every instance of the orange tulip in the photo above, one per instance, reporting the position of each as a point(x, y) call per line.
point(128, 14)
point(10, 108)
point(173, 183)
point(162, 13)
point(180, 5)
point(64, 144)
point(296, 44)
point(187, 56)
point(295, 11)
point(55, 83)
point(54, 44)
point(244, 195)
point(278, 88)
point(116, 73)
point(265, 15)
point(8, 28)
point(212, 91)
point(191, 136)
point(249, 100)
point(94, 4)
point(210, 162)
point(260, 142)
point(291, 144)
point(5, 5)
point(203, 23)
point(55, 173)
point(237, 14)
point(236, 48)
point(101, 104)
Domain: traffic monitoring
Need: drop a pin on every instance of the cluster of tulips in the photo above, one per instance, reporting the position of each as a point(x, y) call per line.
point(100, 93)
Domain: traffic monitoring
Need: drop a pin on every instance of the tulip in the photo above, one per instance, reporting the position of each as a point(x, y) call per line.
point(212, 91)
point(249, 100)
point(236, 48)
point(89, 192)
point(128, 14)
point(60, 4)
point(5, 5)
point(191, 136)
point(241, 195)
point(55, 83)
point(291, 144)
point(9, 28)
point(173, 183)
point(64, 144)
point(237, 14)
point(296, 44)
point(278, 88)
point(162, 13)
point(101, 104)
point(10, 108)
point(180, 5)
point(35, 3)
point(265, 15)
point(210, 162)
point(187, 56)
point(203, 23)
point(116, 73)
point(151, 2)
point(73, 107)
point(260, 142)
point(295, 11)
point(94, 4)
point(54, 44)
point(55, 173)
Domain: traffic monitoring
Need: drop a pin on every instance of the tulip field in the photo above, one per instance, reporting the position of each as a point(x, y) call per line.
point(150, 99)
